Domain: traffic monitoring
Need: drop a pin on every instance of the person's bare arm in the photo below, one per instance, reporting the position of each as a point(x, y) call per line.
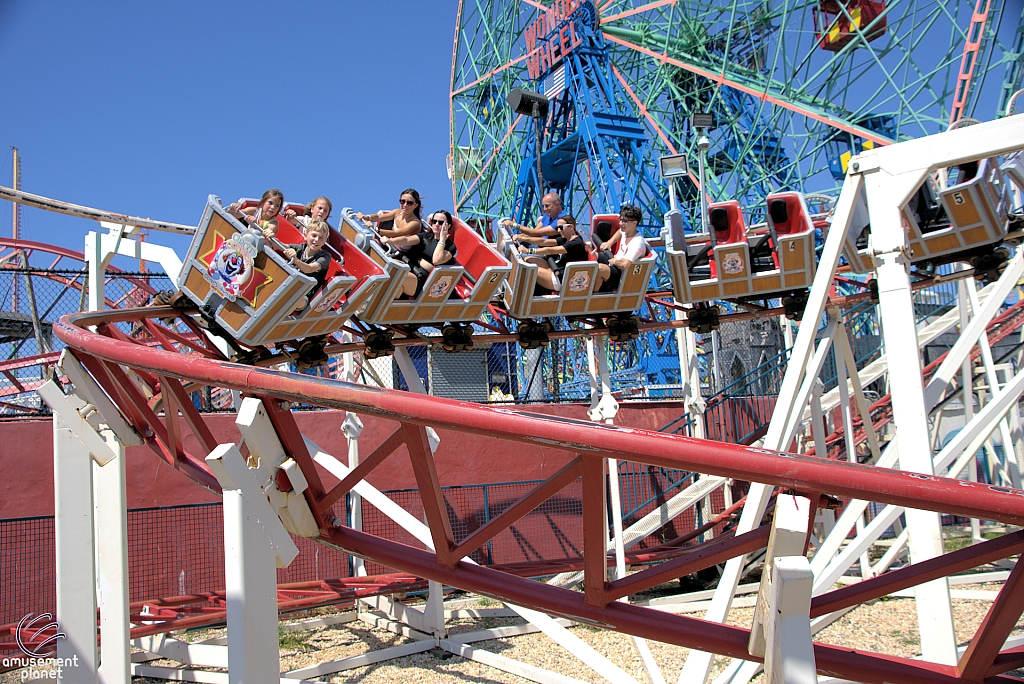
point(308, 269)
point(401, 240)
point(612, 241)
point(378, 216)
point(411, 228)
point(537, 241)
point(551, 250)
point(536, 231)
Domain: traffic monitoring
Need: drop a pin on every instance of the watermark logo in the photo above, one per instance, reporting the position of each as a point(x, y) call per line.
point(36, 636)
point(31, 628)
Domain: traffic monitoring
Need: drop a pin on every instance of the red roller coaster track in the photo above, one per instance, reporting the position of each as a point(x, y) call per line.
point(159, 362)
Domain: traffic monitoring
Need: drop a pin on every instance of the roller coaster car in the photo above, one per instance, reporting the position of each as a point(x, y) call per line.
point(963, 222)
point(577, 297)
point(1013, 171)
point(452, 294)
point(733, 262)
point(234, 275)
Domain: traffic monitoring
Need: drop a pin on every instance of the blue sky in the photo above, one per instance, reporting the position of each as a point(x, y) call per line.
point(145, 108)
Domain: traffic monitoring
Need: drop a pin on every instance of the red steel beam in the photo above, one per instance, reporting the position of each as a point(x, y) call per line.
point(688, 632)
point(434, 507)
point(365, 467)
point(526, 503)
point(295, 446)
point(595, 531)
point(706, 555)
point(1002, 616)
point(804, 473)
point(918, 573)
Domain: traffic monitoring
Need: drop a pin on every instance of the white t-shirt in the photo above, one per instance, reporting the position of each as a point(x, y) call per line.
point(633, 249)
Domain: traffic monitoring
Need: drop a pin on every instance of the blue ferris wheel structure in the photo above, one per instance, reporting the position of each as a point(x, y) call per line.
point(795, 90)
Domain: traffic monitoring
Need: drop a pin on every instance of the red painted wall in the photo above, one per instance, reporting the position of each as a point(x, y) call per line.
point(26, 457)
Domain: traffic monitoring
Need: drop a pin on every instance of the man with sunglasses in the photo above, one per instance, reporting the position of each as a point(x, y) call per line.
point(551, 211)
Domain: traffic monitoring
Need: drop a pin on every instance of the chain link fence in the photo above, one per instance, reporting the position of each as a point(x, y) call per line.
point(31, 301)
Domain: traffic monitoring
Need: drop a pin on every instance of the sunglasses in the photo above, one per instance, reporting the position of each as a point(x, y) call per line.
point(438, 222)
point(411, 203)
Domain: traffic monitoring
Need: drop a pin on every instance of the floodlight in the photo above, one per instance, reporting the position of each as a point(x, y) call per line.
point(527, 103)
point(702, 120)
point(673, 166)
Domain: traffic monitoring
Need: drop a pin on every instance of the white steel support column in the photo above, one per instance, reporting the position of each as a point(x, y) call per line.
point(111, 502)
point(255, 545)
point(1010, 462)
point(100, 248)
point(73, 531)
point(251, 591)
point(896, 310)
point(846, 413)
point(967, 394)
point(698, 663)
point(789, 652)
point(352, 427)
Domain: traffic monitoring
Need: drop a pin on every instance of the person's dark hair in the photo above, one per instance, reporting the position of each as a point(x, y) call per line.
point(447, 216)
point(272, 192)
point(568, 218)
point(631, 212)
point(415, 196)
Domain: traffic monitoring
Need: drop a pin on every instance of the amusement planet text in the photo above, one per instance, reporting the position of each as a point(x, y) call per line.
point(40, 668)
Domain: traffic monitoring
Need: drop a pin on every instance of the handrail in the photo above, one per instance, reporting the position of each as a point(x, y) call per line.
point(39, 202)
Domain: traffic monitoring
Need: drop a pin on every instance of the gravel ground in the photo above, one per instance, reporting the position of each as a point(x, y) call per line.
point(888, 625)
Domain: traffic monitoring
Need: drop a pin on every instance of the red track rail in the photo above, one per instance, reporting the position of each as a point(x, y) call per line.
point(163, 368)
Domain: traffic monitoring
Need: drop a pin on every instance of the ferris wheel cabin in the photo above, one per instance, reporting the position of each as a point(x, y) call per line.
point(838, 23)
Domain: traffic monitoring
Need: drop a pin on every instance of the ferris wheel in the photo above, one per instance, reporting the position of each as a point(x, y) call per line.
point(794, 89)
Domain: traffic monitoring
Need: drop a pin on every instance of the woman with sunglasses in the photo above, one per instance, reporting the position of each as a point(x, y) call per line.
point(431, 248)
point(405, 220)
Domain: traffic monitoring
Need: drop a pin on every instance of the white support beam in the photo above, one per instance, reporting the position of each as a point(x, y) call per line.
point(969, 337)
point(255, 544)
point(793, 516)
point(111, 501)
point(789, 657)
point(70, 407)
point(89, 389)
point(73, 532)
point(260, 436)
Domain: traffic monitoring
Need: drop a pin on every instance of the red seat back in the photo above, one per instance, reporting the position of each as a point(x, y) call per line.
point(787, 213)
point(474, 253)
point(599, 218)
point(727, 225)
point(288, 234)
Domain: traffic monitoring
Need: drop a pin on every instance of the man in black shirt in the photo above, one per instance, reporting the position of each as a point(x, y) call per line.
point(567, 246)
